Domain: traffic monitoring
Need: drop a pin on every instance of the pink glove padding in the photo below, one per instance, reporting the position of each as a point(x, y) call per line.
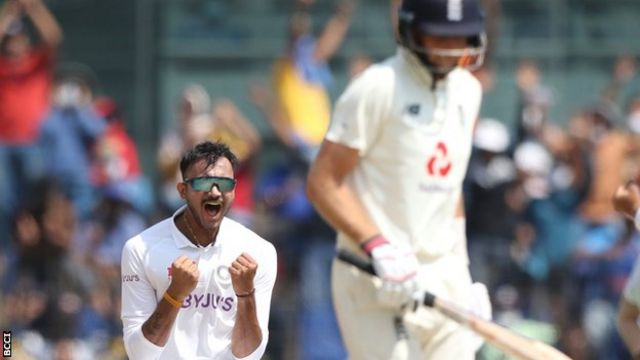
point(397, 267)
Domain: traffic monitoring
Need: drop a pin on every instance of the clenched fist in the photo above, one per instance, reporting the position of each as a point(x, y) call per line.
point(184, 277)
point(242, 271)
point(626, 199)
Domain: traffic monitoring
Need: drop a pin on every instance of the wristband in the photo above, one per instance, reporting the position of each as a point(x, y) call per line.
point(636, 219)
point(171, 300)
point(247, 293)
point(376, 240)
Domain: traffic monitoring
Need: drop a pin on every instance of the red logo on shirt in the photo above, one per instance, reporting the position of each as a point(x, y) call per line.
point(439, 163)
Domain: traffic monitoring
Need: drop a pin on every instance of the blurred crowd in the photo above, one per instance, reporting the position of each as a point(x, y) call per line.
point(542, 232)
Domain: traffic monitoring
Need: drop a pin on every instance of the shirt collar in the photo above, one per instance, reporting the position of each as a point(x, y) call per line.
point(182, 241)
point(416, 68)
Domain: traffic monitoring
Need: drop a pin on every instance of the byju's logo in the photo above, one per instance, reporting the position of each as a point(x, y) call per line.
point(6, 343)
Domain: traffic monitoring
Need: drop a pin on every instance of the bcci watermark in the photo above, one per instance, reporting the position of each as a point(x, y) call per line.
point(6, 343)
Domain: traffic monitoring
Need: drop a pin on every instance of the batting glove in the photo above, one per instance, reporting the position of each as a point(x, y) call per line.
point(397, 267)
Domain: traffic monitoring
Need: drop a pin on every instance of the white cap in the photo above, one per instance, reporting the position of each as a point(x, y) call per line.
point(533, 158)
point(491, 135)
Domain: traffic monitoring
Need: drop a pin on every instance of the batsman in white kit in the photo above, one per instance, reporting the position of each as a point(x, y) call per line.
point(198, 285)
point(388, 178)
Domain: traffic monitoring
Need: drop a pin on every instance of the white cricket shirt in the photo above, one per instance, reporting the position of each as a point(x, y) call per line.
point(414, 141)
point(204, 324)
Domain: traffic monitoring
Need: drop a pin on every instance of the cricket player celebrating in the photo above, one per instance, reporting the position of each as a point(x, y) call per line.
point(388, 178)
point(198, 285)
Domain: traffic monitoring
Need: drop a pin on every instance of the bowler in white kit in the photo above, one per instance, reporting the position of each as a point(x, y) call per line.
point(198, 285)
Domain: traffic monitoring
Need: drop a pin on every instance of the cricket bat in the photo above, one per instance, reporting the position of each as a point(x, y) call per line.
point(508, 341)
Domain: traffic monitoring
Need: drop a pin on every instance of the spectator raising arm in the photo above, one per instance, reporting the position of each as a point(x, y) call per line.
point(48, 28)
point(334, 32)
point(8, 14)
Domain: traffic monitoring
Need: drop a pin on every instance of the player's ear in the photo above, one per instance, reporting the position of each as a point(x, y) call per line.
point(182, 189)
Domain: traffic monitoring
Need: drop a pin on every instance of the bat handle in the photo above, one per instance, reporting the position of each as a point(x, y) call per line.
point(428, 299)
point(360, 263)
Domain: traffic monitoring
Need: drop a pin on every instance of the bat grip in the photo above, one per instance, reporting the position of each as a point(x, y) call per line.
point(428, 298)
point(356, 261)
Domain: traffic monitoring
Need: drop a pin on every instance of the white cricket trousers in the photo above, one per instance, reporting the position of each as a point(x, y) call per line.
point(368, 329)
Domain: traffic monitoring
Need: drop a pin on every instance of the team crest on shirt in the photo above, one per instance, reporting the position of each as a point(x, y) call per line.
point(222, 276)
point(413, 109)
point(413, 114)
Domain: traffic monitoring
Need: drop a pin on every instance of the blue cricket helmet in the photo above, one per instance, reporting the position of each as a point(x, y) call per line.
point(444, 18)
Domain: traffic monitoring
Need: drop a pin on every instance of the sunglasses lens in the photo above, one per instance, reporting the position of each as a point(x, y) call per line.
point(225, 184)
point(202, 184)
point(207, 183)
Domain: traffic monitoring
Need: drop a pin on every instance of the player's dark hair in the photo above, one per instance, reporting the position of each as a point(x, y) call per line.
point(208, 151)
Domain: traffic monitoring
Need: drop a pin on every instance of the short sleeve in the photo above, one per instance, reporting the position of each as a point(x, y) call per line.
point(138, 303)
point(362, 109)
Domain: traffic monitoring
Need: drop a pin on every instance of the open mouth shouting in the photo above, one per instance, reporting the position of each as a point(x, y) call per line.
point(213, 208)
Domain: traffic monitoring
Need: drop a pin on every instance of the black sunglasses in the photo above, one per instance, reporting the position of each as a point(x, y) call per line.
point(206, 183)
